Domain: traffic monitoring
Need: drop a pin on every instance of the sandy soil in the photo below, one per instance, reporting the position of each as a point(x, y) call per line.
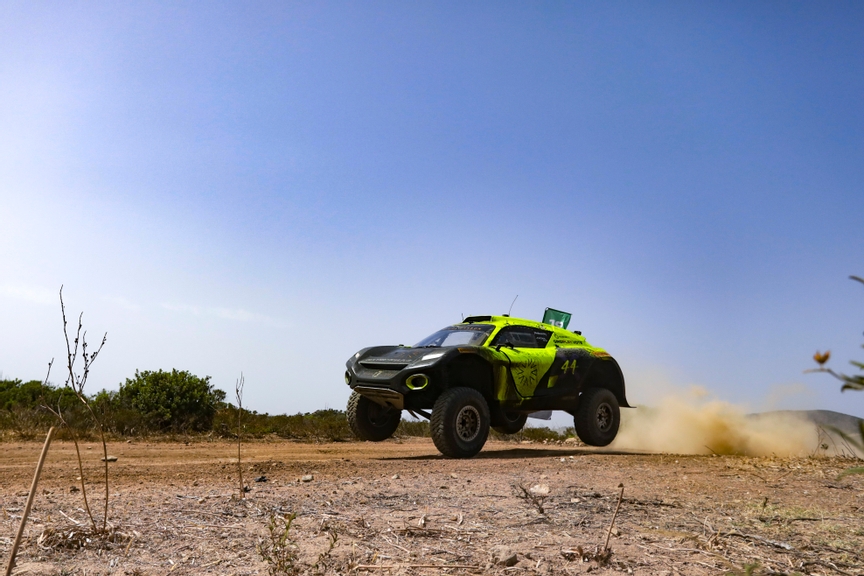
point(398, 507)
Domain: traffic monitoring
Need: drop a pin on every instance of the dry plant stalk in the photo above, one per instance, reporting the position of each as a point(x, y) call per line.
point(30, 497)
point(614, 515)
point(238, 391)
point(76, 383)
point(58, 413)
point(536, 500)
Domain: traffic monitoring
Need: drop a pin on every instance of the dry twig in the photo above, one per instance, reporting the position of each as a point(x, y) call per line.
point(238, 390)
point(615, 515)
point(29, 505)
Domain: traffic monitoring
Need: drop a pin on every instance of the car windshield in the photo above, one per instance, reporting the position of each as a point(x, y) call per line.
point(461, 335)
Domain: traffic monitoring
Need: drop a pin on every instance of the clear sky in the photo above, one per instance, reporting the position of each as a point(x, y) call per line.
point(267, 187)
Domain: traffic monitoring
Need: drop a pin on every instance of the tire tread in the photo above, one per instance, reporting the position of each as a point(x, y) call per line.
point(441, 429)
point(584, 420)
point(355, 412)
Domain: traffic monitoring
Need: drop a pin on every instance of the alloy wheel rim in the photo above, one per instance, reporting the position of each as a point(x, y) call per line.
point(379, 416)
point(468, 423)
point(604, 417)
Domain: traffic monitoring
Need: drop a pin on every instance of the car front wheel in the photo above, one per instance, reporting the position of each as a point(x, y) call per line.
point(598, 417)
point(460, 422)
point(370, 420)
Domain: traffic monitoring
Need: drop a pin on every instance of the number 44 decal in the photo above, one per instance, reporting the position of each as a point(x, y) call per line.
point(568, 365)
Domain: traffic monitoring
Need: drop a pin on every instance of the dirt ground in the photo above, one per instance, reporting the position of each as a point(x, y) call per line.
point(398, 507)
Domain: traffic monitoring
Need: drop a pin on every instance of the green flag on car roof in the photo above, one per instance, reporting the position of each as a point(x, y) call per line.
point(556, 318)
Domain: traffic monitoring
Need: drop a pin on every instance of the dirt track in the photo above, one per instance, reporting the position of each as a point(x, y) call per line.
point(399, 504)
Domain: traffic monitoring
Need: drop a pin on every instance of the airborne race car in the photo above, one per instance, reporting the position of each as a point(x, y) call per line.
point(486, 371)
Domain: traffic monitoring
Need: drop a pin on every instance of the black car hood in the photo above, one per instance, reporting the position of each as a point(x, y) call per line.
point(404, 355)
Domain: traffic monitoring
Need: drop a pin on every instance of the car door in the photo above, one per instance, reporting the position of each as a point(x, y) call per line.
point(528, 355)
point(565, 377)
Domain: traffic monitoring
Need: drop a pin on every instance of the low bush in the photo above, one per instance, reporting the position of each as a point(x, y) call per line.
point(321, 425)
point(179, 402)
point(413, 428)
point(175, 401)
point(23, 414)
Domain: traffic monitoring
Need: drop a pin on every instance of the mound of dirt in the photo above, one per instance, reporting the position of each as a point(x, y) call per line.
point(830, 428)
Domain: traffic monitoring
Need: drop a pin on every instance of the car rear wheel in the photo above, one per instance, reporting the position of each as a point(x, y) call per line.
point(370, 420)
point(510, 422)
point(598, 417)
point(460, 422)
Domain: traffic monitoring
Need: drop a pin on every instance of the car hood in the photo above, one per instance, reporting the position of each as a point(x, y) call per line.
point(405, 355)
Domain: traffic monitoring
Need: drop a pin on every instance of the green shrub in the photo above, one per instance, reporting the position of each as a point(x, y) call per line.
point(321, 425)
point(175, 401)
point(535, 434)
point(21, 407)
point(413, 428)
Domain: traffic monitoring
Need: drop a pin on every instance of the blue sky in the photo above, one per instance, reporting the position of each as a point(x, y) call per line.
point(268, 187)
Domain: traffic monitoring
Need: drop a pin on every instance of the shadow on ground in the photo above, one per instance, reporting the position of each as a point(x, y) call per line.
point(523, 453)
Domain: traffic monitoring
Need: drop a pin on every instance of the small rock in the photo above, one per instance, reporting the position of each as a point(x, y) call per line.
point(261, 479)
point(563, 460)
point(615, 532)
point(570, 441)
point(307, 478)
point(453, 476)
point(540, 490)
point(395, 477)
point(503, 556)
point(110, 459)
point(247, 489)
point(74, 489)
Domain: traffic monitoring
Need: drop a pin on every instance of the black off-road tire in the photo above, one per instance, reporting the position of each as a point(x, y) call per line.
point(460, 422)
point(371, 421)
point(598, 417)
point(509, 422)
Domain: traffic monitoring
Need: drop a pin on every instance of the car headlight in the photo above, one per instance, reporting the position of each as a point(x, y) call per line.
point(347, 377)
point(432, 356)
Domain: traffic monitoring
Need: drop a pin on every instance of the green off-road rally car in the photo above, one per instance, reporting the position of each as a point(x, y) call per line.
point(486, 371)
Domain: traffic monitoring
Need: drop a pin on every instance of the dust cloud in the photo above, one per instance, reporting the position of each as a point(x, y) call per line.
point(693, 423)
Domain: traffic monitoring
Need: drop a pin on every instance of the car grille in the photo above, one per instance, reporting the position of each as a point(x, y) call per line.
point(396, 366)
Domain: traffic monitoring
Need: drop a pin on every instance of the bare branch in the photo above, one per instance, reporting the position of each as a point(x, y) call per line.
point(238, 391)
point(76, 383)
